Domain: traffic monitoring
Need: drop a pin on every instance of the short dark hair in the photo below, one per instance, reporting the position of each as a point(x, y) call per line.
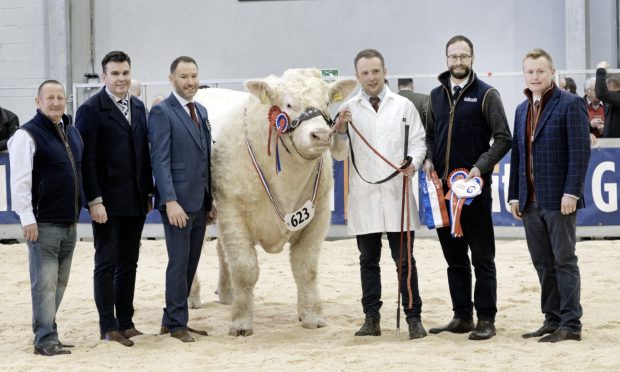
point(49, 81)
point(175, 63)
point(456, 39)
point(115, 56)
point(368, 53)
point(571, 85)
point(405, 82)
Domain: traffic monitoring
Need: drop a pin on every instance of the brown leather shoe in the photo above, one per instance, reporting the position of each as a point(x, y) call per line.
point(131, 332)
point(562, 334)
point(455, 326)
point(50, 350)
point(116, 337)
point(182, 335)
point(164, 330)
point(545, 329)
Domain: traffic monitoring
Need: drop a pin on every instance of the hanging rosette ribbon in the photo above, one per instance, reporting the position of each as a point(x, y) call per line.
point(279, 121)
point(461, 193)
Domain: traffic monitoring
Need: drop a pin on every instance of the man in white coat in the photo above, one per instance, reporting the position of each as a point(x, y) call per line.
point(380, 116)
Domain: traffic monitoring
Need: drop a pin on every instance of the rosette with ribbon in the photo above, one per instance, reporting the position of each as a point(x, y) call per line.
point(279, 121)
point(461, 193)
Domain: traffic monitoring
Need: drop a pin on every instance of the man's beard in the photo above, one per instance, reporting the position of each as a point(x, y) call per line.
point(460, 75)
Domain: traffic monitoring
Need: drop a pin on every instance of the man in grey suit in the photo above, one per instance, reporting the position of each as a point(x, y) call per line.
point(180, 155)
point(419, 100)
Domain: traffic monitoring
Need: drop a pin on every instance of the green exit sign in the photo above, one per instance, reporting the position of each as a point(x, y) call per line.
point(329, 72)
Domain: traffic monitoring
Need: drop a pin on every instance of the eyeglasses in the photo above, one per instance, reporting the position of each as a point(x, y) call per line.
point(462, 57)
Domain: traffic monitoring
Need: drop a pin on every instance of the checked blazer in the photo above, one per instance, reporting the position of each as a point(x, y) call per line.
point(560, 151)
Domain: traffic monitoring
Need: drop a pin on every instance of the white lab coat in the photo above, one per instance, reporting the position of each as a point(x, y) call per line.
point(377, 208)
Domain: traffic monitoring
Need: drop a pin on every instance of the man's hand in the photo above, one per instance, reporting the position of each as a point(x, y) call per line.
point(212, 215)
point(568, 205)
point(474, 172)
point(176, 214)
point(31, 232)
point(592, 139)
point(98, 213)
point(409, 171)
point(603, 64)
point(344, 117)
point(514, 209)
point(428, 167)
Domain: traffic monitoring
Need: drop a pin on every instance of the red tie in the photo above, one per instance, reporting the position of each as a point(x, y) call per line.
point(374, 101)
point(192, 113)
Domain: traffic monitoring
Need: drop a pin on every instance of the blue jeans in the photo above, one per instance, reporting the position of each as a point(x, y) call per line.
point(49, 258)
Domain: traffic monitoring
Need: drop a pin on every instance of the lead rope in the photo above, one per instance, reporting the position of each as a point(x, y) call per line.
point(405, 204)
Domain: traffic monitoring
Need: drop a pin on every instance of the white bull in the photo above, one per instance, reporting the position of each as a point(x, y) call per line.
point(246, 213)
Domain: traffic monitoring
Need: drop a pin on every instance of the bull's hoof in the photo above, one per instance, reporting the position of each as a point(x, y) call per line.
point(194, 303)
point(313, 323)
point(240, 332)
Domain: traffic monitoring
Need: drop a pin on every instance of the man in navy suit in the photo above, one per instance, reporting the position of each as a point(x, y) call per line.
point(180, 154)
point(549, 161)
point(118, 185)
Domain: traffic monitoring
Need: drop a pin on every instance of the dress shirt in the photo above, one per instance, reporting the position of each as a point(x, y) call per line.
point(115, 99)
point(21, 159)
point(184, 103)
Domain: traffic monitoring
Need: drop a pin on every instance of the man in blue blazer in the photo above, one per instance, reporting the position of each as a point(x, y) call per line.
point(549, 161)
point(180, 154)
point(118, 185)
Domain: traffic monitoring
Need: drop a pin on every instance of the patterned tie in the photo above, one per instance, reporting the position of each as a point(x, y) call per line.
point(457, 90)
point(124, 107)
point(374, 101)
point(192, 113)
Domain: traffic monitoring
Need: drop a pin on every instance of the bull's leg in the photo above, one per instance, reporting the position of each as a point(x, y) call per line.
point(193, 300)
point(224, 290)
point(242, 265)
point(304, 263)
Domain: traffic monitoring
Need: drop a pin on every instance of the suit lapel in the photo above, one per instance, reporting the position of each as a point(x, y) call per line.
point(548, 109)
point(186, 121)
point(135, 114)
point(114, 113)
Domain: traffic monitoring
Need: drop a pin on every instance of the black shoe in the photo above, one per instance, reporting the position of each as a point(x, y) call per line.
point(545, 329)
point(371, 327)
point(66, 346)
point(455, 326)
point(50, 350)
point(485, 329)
point(562, 334)
point(416, 329)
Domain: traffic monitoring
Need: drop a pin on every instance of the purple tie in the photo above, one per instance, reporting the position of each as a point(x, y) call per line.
point(192, 113)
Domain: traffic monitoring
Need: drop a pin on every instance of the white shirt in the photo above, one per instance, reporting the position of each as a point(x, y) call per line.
point(21, 159)
point(183, 102)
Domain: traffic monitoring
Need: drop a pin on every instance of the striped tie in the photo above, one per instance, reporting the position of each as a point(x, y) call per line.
point(124, 104)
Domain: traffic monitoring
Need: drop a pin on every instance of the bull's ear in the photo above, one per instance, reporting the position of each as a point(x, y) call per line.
point(340, 89)
point(261, 90)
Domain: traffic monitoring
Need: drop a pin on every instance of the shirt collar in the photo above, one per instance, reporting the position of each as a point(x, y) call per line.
point(181, 100)
point(380, 95)
point(114, 98)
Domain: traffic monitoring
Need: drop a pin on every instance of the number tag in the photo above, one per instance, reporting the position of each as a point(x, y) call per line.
point(300, 218)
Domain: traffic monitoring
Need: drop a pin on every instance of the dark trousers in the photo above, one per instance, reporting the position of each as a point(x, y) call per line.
point(184, 247)
point(369, 246)
point(117, 247)
point(478, 237)
point(551, 238)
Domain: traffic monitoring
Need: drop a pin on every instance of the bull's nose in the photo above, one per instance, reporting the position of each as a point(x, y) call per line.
point(322, 135)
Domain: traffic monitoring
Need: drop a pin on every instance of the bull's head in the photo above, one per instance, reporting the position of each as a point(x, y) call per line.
point(303, 97)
